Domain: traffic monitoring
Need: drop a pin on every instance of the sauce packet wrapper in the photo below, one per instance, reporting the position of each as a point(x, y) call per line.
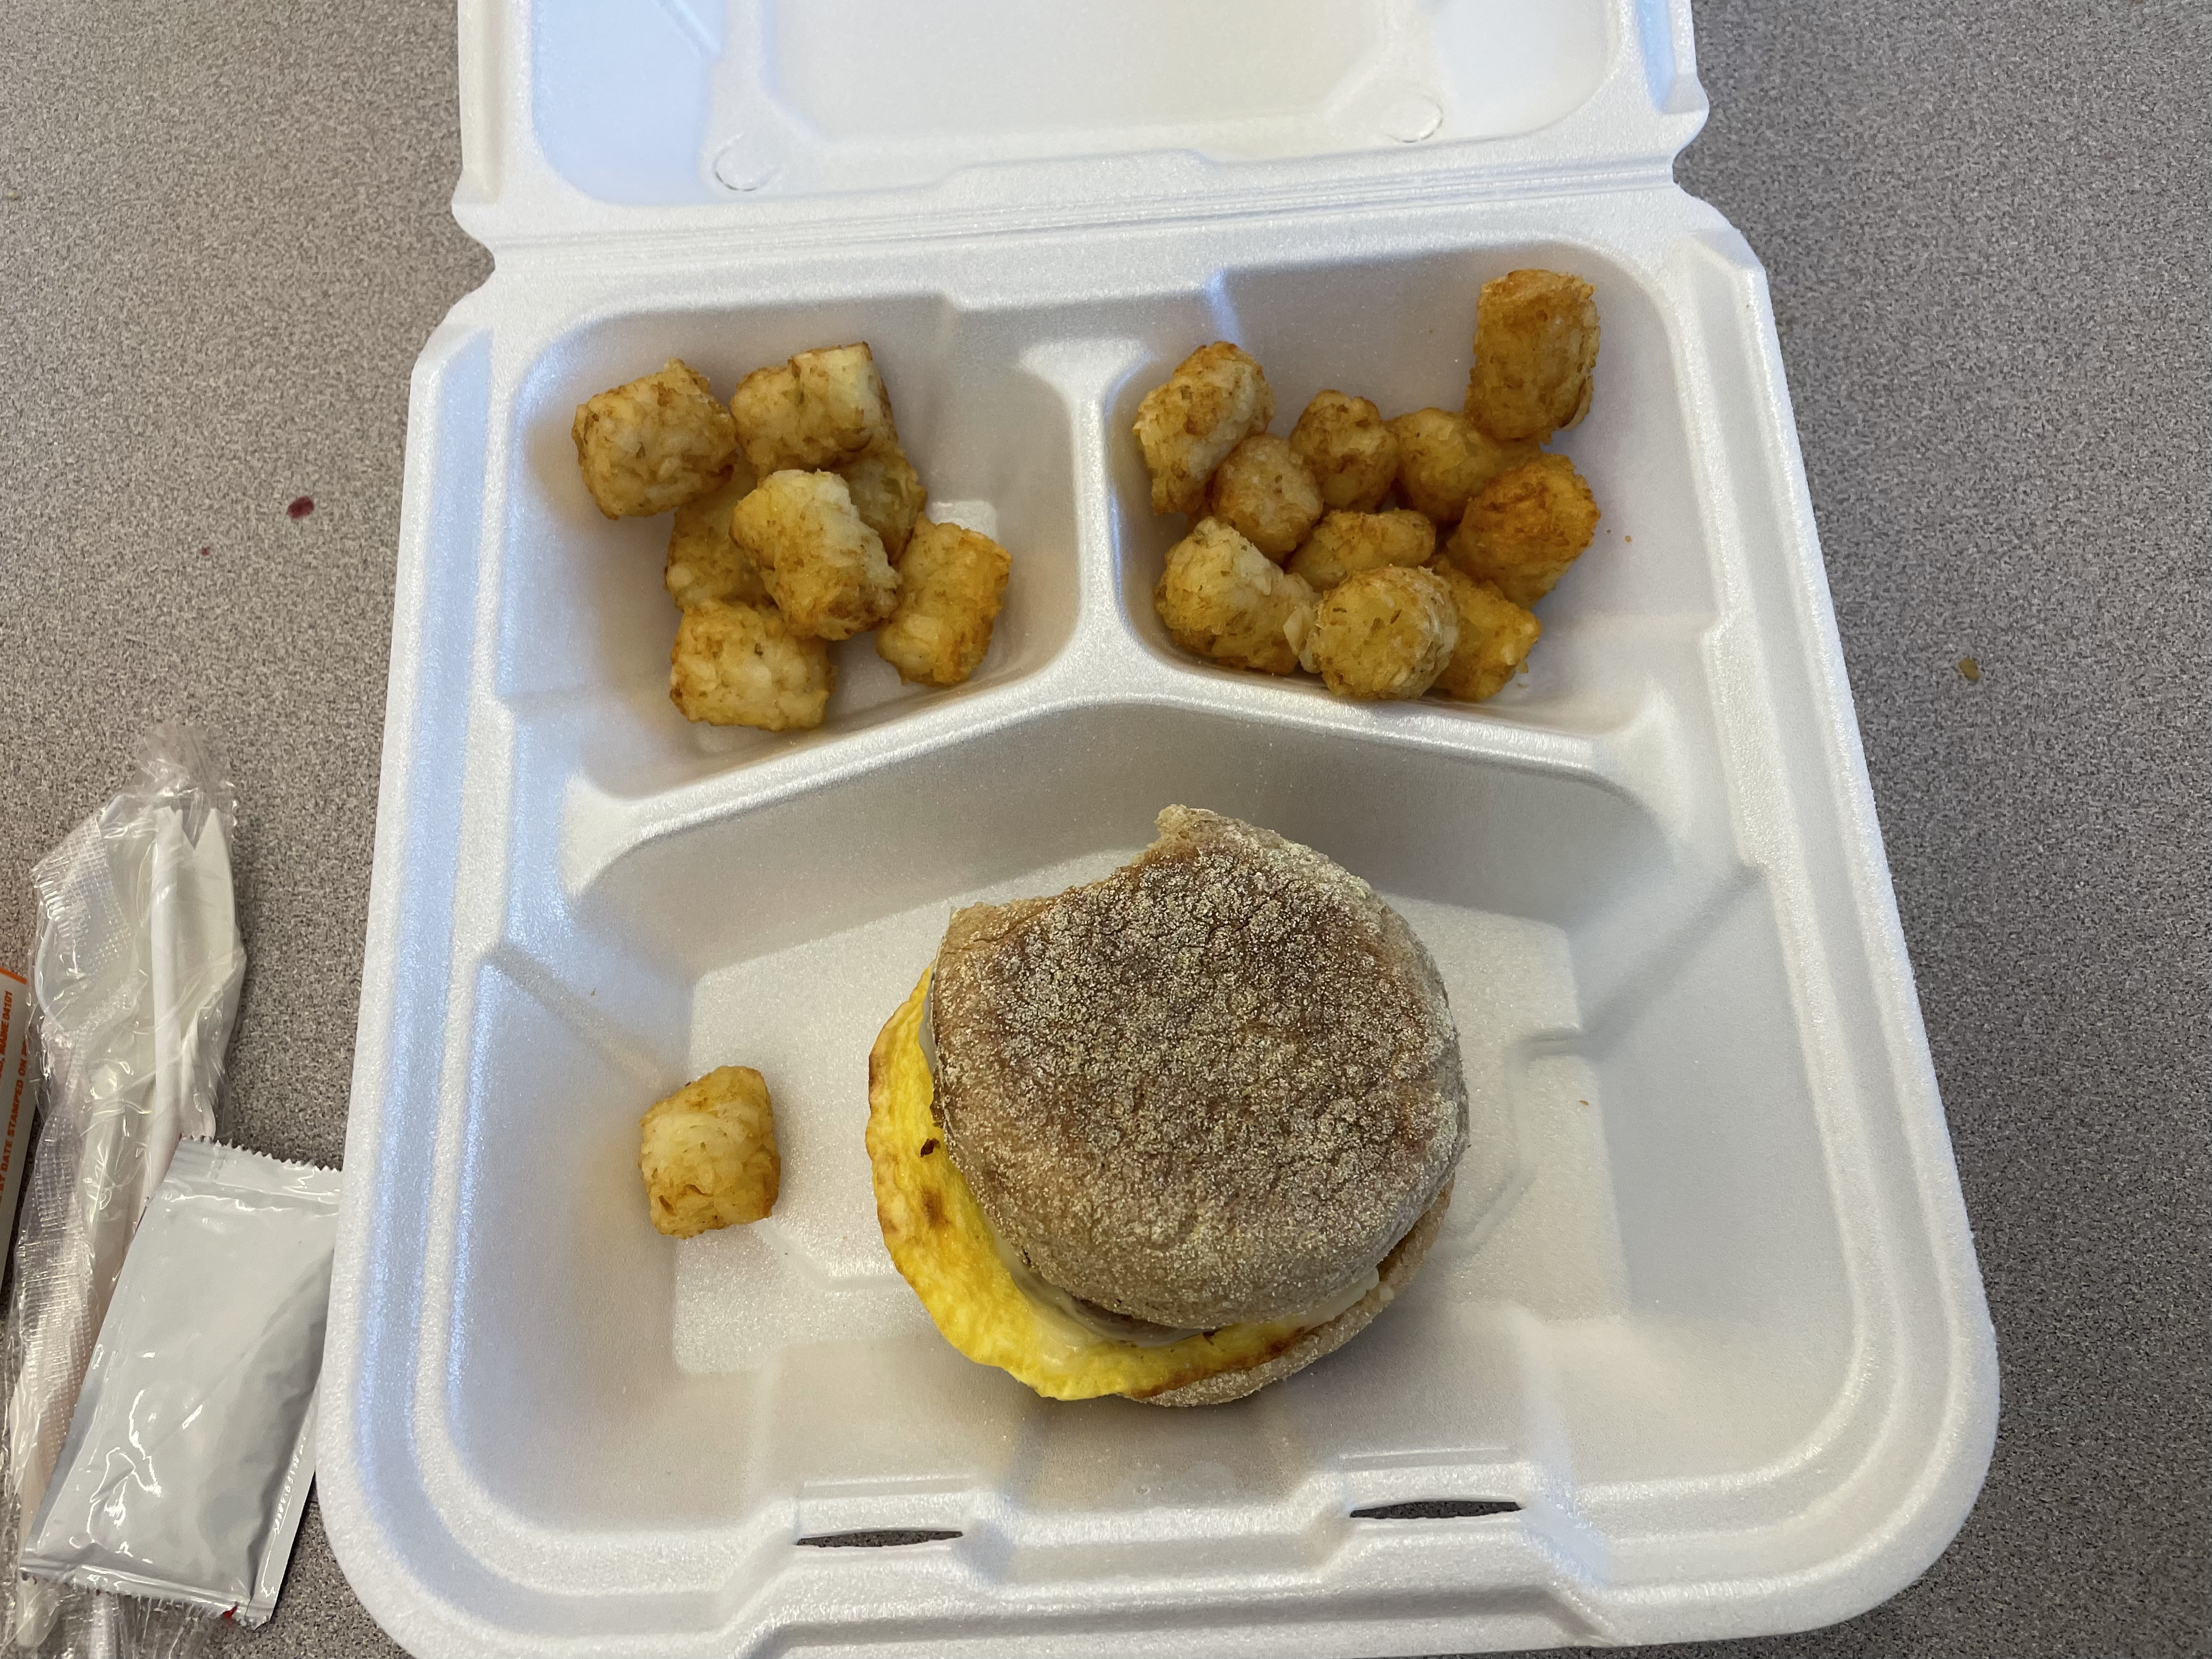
point(190, 1453)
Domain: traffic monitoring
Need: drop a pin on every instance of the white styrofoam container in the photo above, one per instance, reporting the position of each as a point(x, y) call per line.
point(1713, 1321)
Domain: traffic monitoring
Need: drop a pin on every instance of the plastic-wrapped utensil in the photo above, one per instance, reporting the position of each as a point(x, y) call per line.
point(136, 972)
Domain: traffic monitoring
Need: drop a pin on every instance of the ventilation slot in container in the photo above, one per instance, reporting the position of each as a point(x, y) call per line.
point(877, 1539)
point(1438, 1508)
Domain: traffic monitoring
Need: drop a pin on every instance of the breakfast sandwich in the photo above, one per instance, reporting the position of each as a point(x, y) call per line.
point(1173, 1134)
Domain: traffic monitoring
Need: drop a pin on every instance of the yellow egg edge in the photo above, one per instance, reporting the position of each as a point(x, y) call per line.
point(942, 1247)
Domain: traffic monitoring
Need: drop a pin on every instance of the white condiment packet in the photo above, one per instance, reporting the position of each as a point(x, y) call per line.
point(189, 1456)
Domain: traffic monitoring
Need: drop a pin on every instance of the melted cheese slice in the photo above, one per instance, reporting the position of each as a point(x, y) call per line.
point(947, 1251)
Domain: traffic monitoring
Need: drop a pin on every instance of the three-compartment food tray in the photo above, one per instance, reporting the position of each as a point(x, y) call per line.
point(1703, 1350)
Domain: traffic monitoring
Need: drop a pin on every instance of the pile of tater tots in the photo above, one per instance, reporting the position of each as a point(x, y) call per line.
point(1391, 558)
point(798, 522)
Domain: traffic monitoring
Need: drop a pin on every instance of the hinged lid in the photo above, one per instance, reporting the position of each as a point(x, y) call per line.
point(817, 120)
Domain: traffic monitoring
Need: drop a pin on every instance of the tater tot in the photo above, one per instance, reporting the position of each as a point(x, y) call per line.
point(1535, 343)
point(707, 1154)
point(1443, 457)
point(844, 409)
point(1495, 637)
point(705, 566)
point(1383, 634)
point(1524, 527)
point(1223, 597)
point(824, 567)
point(822, 409)
point(1217, 398)
point(743, 665)
point(887, 493)
point(950, 586)
point(1345, 543)
point(654, 444)
point(766, 408)
point(1263, 491)
point(1352, 454)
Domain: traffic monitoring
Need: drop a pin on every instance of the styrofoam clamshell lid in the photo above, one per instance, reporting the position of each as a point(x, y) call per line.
point(633, 117)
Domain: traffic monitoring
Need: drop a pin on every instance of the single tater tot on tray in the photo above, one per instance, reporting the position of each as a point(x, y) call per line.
point(1217, 398)
point(951, 587)
point(1224, 599)
point(654, 443)
point(824, 567)
point(1263, 491)
point(705, 566)
point(707, 1154)
point(1524, 527)
point(1495, 637)
point(1345, 543)
point(887, 493)
point(1535, 344)
point(1382, 634)
point(844, 409)
point(1444, 458)
point(1349, 449)
point(743, 665)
